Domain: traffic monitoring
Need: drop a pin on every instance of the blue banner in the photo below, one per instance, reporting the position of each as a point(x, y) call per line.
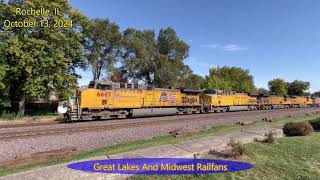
point(160, 166)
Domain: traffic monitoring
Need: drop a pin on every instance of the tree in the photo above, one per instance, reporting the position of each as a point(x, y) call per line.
point(103, 40)
point(263, 91)
point(139, 55)
point(316, 94)
point(230, 78)
point(42, 59)
point(4, 96)
point(278, 87)
point(155, 62)
point(4, 91)
point(298, 88)
point(172, 53)
point(116, 75)
point(187, 79)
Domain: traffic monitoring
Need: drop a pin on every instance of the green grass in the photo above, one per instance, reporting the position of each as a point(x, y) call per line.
point(290, 158)
point(215, 131)
point(29, 114)
point(13, 117)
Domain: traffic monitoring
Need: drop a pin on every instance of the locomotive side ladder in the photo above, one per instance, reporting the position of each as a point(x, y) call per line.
point(205, 105)
point(75, 112)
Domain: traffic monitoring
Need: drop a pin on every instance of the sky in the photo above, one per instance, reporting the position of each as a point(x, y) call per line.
point(271, 38)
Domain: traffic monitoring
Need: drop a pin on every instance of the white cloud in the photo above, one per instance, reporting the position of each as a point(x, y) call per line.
point(234, 47)
point(213, 46)
point(195, 62)
point(227, 47)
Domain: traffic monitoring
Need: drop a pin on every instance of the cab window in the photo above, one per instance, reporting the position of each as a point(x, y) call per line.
point(104, 87)
point(122, 85)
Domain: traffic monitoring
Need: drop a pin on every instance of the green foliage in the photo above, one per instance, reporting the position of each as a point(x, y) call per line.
point(230, 78)
point(278, 87)
point(315, 124)
point(189, 80)
point(316, 94)
point(4, 91)
point(297, 129)
point(170, 45)
point(298, 88)
point(10, 116)
point(156, 61)
point(40, 60)
point(139, 50)
point(263, 91)
point(103, 40)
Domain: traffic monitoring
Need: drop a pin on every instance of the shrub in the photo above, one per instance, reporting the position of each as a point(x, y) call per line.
point(5, 115)
point(270, 137)
point(297, 129)
point(237, 149)
point(315, 124)
point(214, 152)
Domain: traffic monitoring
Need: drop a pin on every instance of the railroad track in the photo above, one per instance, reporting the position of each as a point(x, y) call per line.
point(20, 125)
point(120, 125)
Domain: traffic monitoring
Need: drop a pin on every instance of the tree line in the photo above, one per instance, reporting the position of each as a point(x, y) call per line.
point(280, 87)
point(240, 80)
point(145, 56)
point(37, 61)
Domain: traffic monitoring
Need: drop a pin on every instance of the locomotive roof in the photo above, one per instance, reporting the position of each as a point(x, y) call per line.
point(191, 90)
point(215, 91)
point(116, 85)
point(102, 82)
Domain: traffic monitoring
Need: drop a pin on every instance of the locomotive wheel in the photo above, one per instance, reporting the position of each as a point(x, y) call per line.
point(122, 114)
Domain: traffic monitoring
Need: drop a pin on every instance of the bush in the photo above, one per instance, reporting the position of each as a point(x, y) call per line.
point(237, 149)
point(297, 129)
point(5, 115)
point(315, 124)
point(214, 152)
point(270, 137)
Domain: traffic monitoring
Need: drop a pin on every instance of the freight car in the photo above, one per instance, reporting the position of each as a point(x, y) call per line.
point(106, 100)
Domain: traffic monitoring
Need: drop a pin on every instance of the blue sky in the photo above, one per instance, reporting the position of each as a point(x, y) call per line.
point(271, 38)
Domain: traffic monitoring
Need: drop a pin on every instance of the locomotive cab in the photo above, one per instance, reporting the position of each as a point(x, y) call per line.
point(97, 84)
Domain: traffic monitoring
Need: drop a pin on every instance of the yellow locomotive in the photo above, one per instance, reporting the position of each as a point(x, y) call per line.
point(221, 101)
point(274, 102)
point(298, 102)
point(316, 101)
point(105, 100)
